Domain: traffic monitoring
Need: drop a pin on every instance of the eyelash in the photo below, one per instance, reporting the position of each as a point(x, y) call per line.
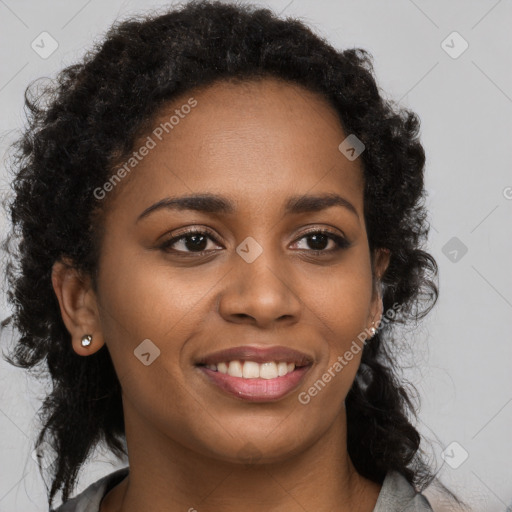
point(341, 242)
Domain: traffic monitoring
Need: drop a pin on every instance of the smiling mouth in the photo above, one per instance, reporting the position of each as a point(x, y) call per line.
point(255, 382)
point(255, 373)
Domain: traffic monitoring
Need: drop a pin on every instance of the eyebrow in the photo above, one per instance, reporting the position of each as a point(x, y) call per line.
point(212, 203)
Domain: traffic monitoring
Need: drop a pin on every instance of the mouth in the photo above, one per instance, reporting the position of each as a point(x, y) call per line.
point(256, 374)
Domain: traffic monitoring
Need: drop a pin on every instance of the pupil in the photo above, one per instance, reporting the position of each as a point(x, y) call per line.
point(324, 239)
point(192, 246)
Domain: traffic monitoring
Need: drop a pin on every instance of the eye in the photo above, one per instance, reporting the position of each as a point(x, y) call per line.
point(193, 240)
point(322, 237)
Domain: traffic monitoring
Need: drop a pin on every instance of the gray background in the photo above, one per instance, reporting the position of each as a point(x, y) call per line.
point(462, 352)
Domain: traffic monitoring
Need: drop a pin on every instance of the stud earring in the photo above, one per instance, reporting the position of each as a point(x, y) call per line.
point(373, 330)
point(86, 340)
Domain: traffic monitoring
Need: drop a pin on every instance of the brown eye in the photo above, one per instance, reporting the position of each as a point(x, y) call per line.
point(193, 241)
point(319, 239)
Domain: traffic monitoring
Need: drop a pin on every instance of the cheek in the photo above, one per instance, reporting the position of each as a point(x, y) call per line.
point(345, 298)
point(146, 298)
point(343, 309)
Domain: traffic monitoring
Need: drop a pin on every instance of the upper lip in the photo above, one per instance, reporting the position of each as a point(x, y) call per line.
point(258, 355)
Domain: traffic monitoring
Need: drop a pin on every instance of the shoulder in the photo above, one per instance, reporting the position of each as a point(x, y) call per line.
point(398, 494)
point(89, 499)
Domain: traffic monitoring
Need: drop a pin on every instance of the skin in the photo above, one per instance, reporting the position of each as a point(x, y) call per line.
point(189, 443)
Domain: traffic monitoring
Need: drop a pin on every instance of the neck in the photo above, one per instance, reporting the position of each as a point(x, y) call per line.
point(165, 475)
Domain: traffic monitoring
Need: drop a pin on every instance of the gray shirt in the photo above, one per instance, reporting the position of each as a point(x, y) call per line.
point(396, 495)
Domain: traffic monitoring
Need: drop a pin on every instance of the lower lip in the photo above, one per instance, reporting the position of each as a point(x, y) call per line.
point(256, 390)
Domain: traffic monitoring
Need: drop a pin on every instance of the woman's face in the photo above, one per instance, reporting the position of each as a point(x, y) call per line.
point(261, 282)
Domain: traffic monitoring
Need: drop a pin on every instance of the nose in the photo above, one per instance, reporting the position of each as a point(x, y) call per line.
point(260, 293)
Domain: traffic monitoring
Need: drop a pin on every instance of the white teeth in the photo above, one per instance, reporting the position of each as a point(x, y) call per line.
point(253, 370)
point(235, 369)
point(268, 370)
point(282, 368)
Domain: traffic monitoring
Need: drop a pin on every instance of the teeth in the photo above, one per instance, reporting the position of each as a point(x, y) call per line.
point(253, 370)
point(235, 369)
point(268, 370)
point(282, 369)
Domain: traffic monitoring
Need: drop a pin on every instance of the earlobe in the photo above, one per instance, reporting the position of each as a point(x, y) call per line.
point(78, 307)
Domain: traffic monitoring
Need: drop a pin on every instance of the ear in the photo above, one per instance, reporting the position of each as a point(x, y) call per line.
point(380, 263)
point(78, 306)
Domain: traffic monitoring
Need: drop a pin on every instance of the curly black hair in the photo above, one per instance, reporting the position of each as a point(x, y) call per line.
point(88, 119)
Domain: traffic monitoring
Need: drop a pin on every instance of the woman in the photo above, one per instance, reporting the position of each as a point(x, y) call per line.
point(221, 225)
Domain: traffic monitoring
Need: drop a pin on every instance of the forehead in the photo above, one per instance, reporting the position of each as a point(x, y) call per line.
point(255, 141)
